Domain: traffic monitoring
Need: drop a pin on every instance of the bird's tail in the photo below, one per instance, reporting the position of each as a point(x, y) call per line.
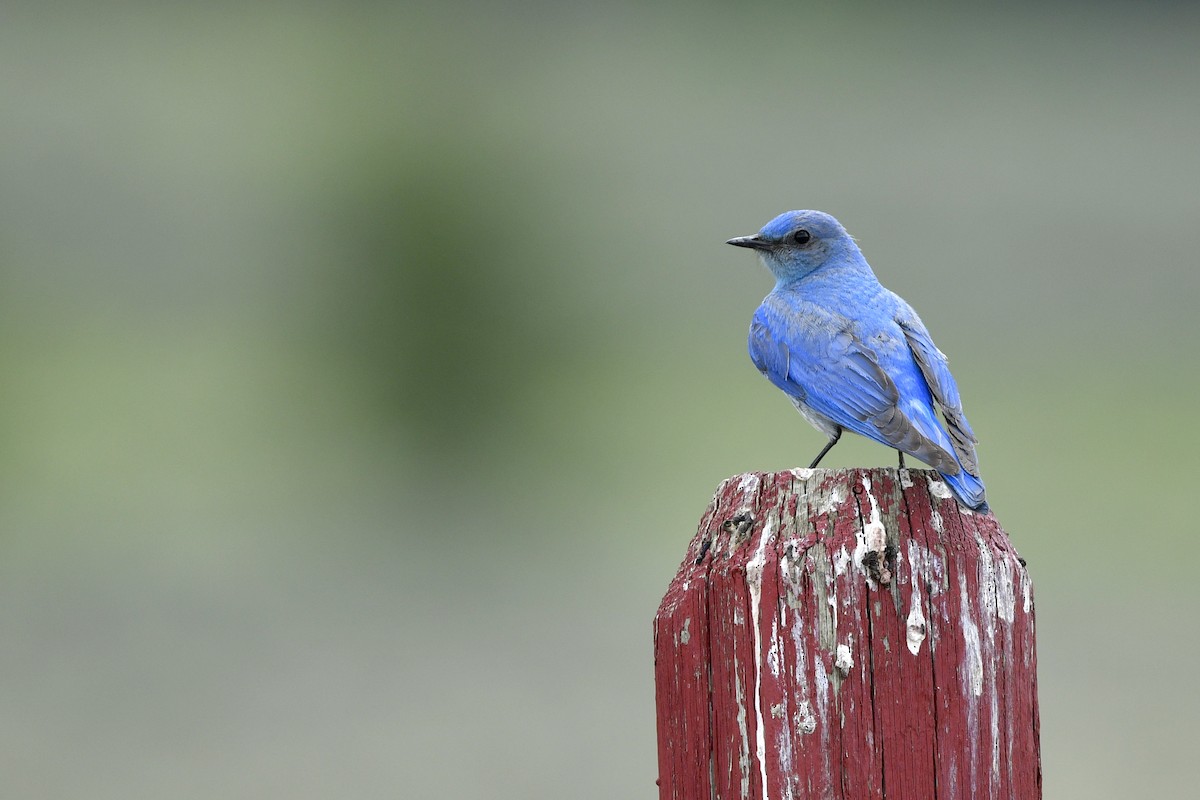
point(968, 489)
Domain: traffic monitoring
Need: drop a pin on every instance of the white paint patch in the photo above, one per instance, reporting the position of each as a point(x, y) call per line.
point(873, 535)
point(1006, 599)
point(801, 664)
point(935, 519)
point(915, 625)
point(805, 721)
point(748, 482)
point(939, 489)
point(835, 499)
point(935, 572)
point(987, 585)
point(916, 561)
point(995, 709)
point(822, 681)
point(685, 635)
point(832, 600)
point(844, 661)
point(773, 652)
point(840, 560)
point(1026, 591)
point(783, 742)
point(905, 479)
point(803, 473)
point(754, 577)
point(972, 669)
point(744, 755)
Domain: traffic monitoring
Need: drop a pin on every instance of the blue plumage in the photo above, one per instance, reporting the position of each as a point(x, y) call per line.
point(852, 355)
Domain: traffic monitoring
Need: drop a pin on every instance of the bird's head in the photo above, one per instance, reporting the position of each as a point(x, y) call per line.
point(797, 243)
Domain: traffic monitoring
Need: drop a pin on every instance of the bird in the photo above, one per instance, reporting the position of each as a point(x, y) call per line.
point(852, 355)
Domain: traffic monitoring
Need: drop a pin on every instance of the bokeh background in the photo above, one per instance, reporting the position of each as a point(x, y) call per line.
point(366, 367)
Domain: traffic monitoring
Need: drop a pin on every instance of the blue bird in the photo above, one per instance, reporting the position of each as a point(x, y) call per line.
point(854, 356)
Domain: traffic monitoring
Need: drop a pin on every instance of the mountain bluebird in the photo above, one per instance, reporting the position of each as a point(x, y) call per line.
point(852, 355)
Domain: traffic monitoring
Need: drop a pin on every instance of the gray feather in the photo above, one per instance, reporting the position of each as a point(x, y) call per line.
point(933, 366)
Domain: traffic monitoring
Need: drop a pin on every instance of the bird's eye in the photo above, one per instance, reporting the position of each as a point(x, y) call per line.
point(801, 236)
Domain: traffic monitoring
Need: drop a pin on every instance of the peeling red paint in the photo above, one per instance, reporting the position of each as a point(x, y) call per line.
point(798, 655)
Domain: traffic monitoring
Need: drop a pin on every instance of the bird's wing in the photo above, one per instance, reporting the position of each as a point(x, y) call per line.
point(936, 369)
point(829, 369)
point(771, 355)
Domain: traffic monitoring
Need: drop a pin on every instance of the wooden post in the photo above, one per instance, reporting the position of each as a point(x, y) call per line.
point(847, 634)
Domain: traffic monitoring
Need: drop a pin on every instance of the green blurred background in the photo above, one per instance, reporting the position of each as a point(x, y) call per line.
point(366, 367)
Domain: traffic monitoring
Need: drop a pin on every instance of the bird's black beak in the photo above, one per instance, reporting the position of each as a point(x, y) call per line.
point(754, 242)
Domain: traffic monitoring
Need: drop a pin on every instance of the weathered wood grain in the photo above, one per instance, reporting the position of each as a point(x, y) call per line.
point(847, 634)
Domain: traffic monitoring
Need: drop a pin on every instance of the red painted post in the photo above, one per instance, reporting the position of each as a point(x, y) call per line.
point(847, 635)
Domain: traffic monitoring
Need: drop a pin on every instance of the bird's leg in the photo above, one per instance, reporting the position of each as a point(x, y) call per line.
point(828, 446)
point(901, 452)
